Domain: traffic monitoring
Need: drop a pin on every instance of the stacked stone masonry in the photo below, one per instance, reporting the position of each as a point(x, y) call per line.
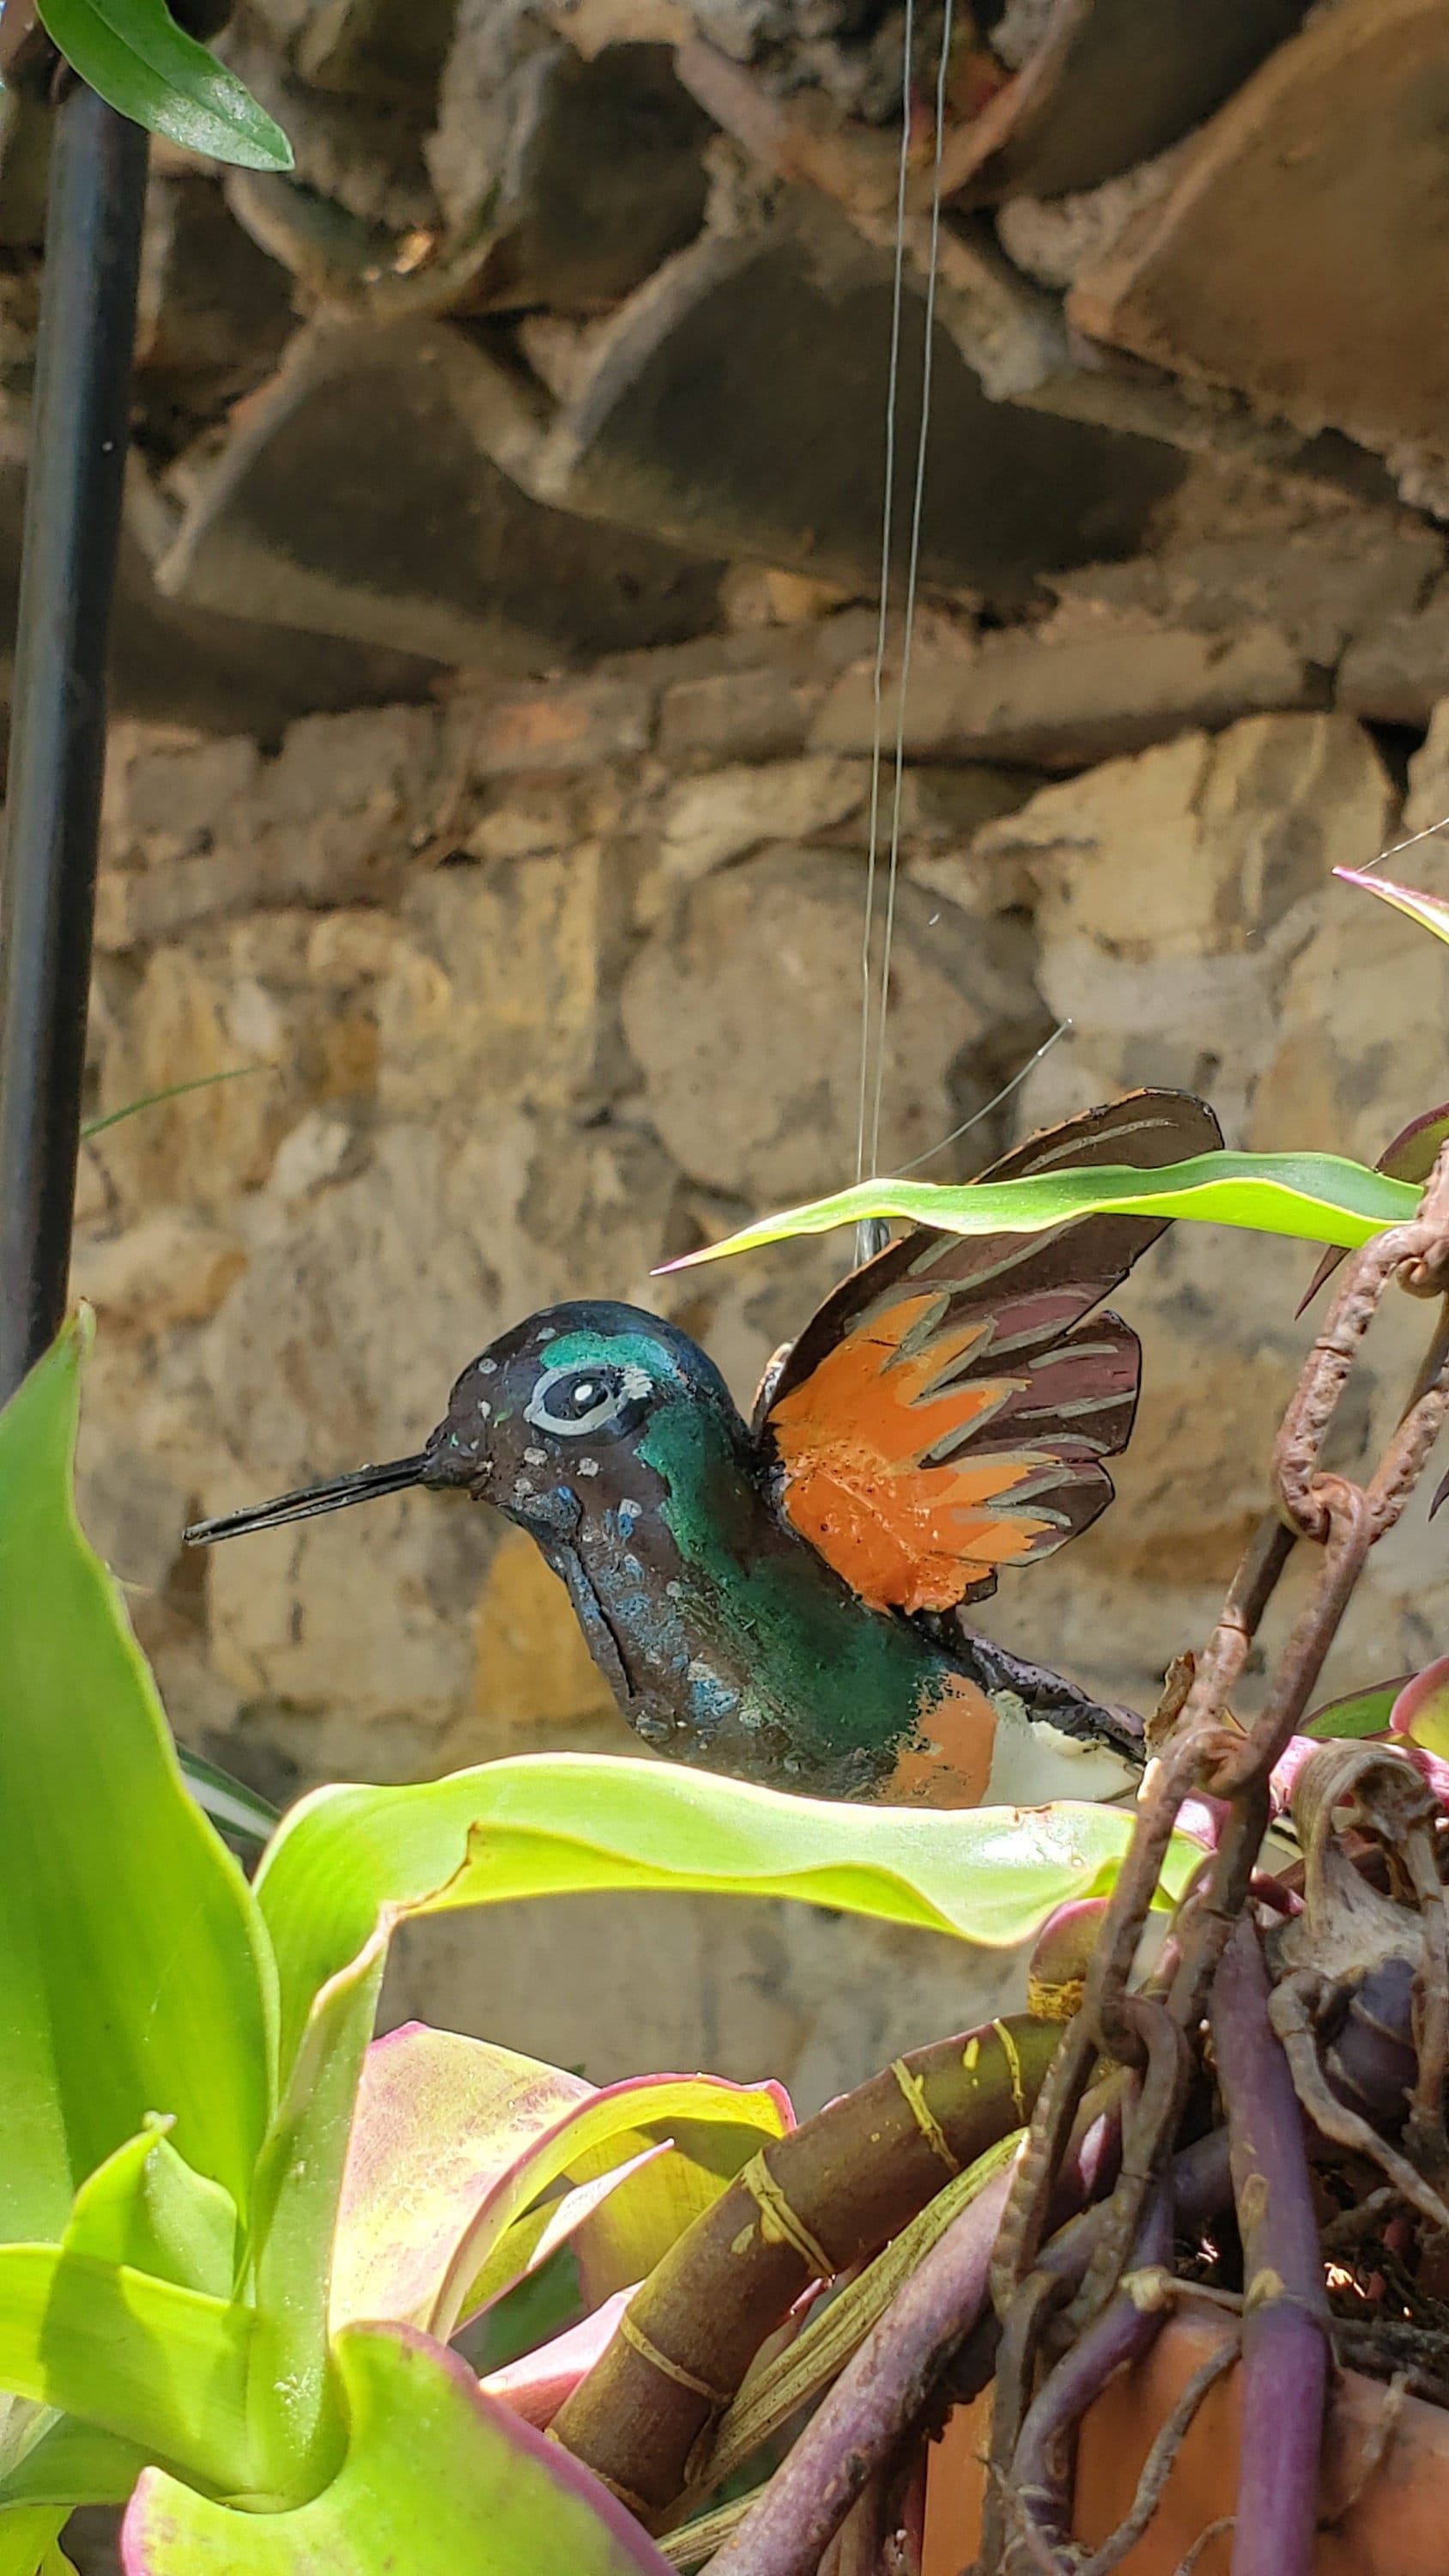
point(523, 990)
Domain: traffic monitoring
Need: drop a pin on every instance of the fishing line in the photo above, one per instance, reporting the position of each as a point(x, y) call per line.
point(1427, 834)
point(912, 576)
point(887, 521)
point(987, 1106)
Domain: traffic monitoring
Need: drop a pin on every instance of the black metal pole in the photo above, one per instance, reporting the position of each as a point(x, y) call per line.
point(78, 439)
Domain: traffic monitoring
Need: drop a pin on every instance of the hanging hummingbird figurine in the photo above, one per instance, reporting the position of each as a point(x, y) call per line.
point(782, 1600)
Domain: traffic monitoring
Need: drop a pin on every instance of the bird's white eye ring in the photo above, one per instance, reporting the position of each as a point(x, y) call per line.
point(570, 1401)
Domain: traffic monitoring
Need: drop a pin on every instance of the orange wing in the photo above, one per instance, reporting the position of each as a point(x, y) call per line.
point(947, 1410)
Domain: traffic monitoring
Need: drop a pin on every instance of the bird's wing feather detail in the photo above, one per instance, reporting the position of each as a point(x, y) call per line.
point(947, 1410)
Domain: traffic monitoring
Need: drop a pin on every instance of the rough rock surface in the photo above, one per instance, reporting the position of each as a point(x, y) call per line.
point(1325, 156)
point(528, 988)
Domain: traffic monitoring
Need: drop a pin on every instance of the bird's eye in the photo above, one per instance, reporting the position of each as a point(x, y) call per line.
point(571, 1400)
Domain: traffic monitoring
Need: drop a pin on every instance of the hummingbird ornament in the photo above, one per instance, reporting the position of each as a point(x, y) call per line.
point(783, 1599)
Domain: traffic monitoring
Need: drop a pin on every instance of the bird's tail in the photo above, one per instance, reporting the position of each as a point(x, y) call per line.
point(1048, 1698)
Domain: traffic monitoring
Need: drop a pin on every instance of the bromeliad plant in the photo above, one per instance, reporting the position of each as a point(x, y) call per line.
point(234, 2246)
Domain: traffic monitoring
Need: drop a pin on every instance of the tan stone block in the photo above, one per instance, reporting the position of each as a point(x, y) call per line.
point(539, 816)
point(170, 1269)
point(1202, 1023)
point(1059, 698)
point(743, 1016)
point(532, 1671)
point(1358, 1031)
point(503, 990)
point(1201, 845)
point(310, 1156)
point(727, 812)
point(738, 715)
point(350, 946)
point(1341, 573)
point(91, 1195)
point(347, 1057)
point(796, 599)
point(819, 1999)
point(1398, 671)
point(167, 790)
point(131, 1509)
point(176, 894)
point(369, 762)
point(188, 1019)
point(356, 1622)
point(115, 925)
point(1275, 265)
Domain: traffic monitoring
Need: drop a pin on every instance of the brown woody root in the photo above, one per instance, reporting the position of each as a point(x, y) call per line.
point(811, 2204)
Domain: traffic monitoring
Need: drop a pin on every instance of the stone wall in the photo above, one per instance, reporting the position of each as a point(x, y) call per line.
point(529, 987)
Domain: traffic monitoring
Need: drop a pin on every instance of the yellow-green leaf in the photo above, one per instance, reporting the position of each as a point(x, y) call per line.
point(438, 2481)
point(1321, 1197)
point(162, 2367)
point(1421, 1710)
point(550, 1824)
point(134, 1971)
point(454, 2140)
point(1429, 910)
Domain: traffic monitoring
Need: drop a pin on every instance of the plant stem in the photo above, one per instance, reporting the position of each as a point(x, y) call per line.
point(875, 2398)
point(812, 2204)
point(1286, 2321)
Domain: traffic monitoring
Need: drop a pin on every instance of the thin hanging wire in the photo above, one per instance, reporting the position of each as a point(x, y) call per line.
point(864, 1243)
point(1428, 834)
point(912, 576)
point(1017, 1079)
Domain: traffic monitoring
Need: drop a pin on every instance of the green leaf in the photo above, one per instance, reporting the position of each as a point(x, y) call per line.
point(454, 2140)
point(537, 2311)
point(1430, 911)
point(549, 1824)
point(134, 1974)
point(441, 2122)
point(1410, 1157)
point(162, 2367)
point(295, 2408)
point(641, 2187)
point(437, 2480)
point(134, 54)
point(29, 2542)
point(146, 2208)
point(1320, 1197)
point(1358, 1715)
point(75, 2463)
point(616, 2227)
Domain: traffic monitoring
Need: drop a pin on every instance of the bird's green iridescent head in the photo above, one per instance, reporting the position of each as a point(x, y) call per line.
point(565, 1400)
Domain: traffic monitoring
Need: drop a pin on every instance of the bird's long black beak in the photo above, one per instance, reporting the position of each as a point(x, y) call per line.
point(361, 1486)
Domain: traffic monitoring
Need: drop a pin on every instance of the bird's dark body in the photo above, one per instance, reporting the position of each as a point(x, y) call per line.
point(781, 1600)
